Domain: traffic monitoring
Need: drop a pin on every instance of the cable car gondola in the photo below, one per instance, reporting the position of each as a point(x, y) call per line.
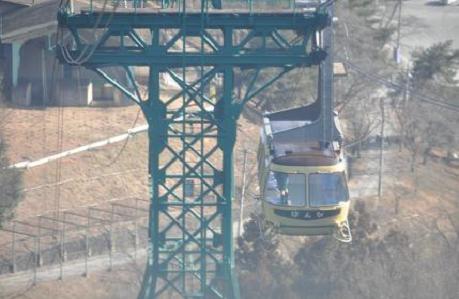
point(302, 179)
point(302, 171)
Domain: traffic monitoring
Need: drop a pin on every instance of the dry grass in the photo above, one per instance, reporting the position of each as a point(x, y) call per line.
point(422, 209)
point(32, 134)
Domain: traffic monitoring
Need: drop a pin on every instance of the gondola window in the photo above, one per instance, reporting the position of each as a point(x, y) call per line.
point(286, 189)
point(327, 189)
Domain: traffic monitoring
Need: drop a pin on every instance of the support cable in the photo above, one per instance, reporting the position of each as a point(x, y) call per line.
point(393, 85)
point(183, 267)
point(203, 259)
point(123, 147)
point(84, 54)
point(390, 84)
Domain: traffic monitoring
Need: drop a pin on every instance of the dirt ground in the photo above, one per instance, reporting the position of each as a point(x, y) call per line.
point(428, 202)
point(421, 203)
point(32, 134)
point(427, 215)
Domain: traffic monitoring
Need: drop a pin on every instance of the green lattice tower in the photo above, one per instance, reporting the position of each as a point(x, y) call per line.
point(192, 133)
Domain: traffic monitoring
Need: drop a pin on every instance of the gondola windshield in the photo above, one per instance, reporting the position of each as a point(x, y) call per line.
point(286, 188)
point(327, 189)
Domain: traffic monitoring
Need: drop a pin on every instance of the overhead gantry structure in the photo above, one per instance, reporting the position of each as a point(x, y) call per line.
point(191, 133)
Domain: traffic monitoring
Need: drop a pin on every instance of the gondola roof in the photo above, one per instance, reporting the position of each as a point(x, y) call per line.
point(291, 141)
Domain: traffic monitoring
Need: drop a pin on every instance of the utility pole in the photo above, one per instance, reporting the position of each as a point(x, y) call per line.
point(62, 251)
point(241, 206)
point(406, 93)
point(86, 254)
point(13, 249)
point(35, 260)
point(397, 48)
point(381, 149)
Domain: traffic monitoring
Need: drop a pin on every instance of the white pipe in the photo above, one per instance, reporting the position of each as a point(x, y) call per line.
point(114, 139)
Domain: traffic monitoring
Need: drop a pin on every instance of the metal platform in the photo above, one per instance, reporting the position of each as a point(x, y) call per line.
point(190, 12)
point(164, 18)
point(191, 253)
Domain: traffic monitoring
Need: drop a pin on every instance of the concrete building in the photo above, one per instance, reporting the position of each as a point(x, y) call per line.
point(32, 76)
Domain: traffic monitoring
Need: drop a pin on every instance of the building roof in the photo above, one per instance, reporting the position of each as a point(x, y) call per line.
point(19, 2)
point(37, 18)
point(30, 22)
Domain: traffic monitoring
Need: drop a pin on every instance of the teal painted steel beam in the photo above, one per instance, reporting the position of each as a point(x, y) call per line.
point(133, 97)
point(213, 20)
point(192, 133)
point(15, 62)
point(255, 60)
point(273, 50)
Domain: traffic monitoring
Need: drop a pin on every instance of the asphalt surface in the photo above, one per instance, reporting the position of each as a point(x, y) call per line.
point(23, 279)
point(425, 22)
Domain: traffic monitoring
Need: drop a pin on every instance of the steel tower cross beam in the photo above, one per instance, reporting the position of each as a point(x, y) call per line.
point(191, 133)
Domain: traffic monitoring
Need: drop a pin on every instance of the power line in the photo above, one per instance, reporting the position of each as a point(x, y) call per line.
point(60, 145)
point(115, 159)
point(363, 27)
point(393, 85)
point(390, 83)
point(85, 179)
point(84, 54)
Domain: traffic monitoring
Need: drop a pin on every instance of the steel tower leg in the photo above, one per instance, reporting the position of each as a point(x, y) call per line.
point(190, 248)
point(192, 133)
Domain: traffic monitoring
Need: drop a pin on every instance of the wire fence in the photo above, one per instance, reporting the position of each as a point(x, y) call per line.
point(106, 229)
point(118, 226)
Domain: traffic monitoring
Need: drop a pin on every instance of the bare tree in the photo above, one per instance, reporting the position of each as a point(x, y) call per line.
point(421, 125)
point(10, 179)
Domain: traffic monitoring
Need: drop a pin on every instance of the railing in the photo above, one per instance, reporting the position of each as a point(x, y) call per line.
point(178, 5)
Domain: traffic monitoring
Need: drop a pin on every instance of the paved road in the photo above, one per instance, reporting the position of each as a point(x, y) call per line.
point(428, 23)
point(20, 280)
point(23, 279)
